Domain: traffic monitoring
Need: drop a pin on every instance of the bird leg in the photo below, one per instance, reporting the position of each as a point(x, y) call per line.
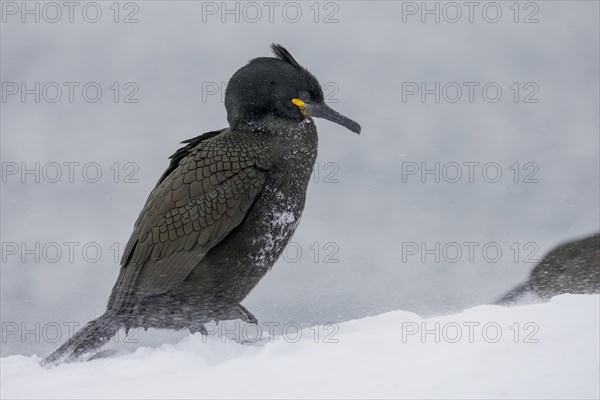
point(245, 315)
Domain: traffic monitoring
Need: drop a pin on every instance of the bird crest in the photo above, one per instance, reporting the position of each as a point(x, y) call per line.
point(284, 55)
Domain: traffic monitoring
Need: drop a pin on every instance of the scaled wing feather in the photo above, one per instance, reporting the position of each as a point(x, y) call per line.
point(190, 211)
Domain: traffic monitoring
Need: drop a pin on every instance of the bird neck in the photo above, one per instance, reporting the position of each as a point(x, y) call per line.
point(273, 125)
point(296, 140)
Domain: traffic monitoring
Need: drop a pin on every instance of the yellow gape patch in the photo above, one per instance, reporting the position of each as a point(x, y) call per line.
point(302, 107)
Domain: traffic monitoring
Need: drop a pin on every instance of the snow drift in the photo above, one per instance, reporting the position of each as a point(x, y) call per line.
point(546, 350)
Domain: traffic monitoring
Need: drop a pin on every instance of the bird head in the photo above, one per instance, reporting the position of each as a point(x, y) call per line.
point(280, 87)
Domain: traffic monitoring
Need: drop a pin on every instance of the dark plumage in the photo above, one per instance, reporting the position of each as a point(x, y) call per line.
point(223, 211)
point(573, 267)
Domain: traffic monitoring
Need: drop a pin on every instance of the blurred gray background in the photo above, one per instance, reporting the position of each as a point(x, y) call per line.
point(364, 209)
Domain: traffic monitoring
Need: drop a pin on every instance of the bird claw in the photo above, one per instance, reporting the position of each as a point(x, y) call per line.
point(198, 328)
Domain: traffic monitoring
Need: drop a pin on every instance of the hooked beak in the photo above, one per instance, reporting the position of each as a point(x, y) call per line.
point(322, 110)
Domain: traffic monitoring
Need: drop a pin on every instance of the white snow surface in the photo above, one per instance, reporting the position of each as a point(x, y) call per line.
point(554, 355)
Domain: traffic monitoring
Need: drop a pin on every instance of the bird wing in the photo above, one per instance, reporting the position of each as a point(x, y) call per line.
point(203, 198)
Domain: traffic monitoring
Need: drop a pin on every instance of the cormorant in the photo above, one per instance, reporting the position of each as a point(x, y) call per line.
point(572, 267)
point(222, 212)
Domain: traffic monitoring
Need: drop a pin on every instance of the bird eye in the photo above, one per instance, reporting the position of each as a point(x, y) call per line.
point(303, 95)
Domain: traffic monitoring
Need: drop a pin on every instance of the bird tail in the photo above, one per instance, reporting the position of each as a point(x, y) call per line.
point(513, 295)
point(88, 339)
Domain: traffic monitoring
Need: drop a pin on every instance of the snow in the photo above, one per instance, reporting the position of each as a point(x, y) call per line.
point(544, 350)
